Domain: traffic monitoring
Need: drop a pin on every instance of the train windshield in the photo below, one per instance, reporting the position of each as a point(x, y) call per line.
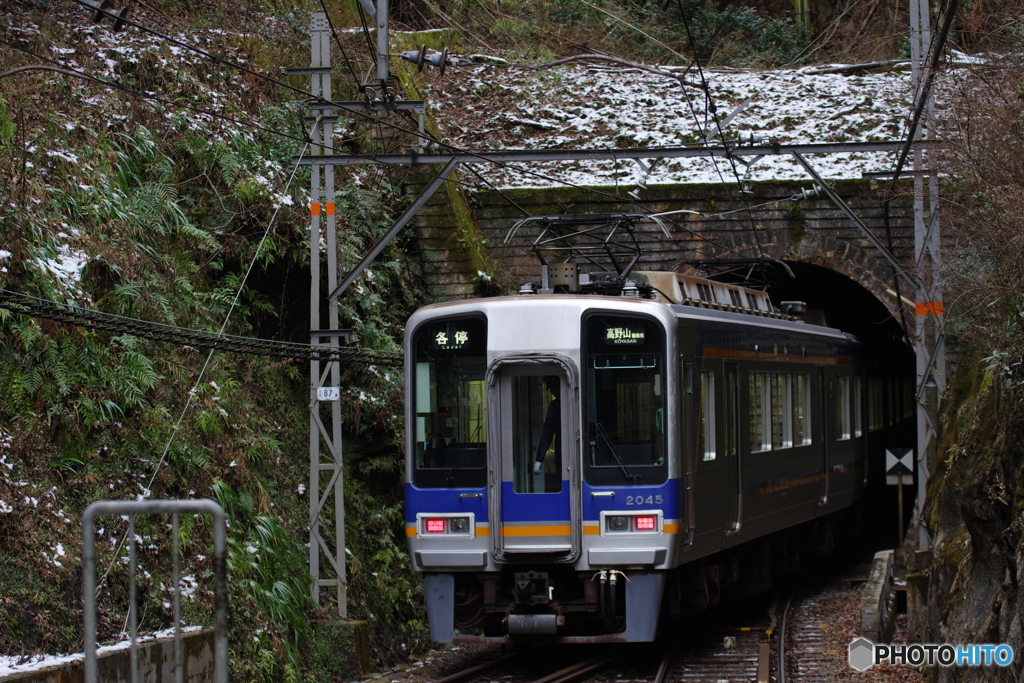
point(625, 377)
point(450, 403)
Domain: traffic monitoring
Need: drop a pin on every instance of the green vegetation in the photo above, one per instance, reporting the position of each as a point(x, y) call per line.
point(150, 211)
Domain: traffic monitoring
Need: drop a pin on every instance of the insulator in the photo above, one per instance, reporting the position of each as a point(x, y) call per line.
point(421, 57)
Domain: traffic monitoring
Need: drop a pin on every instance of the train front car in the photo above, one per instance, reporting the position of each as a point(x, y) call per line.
point(540, 498)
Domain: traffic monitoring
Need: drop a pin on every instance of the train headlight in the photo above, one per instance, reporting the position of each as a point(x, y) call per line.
point(438, 525)
point(647, 523)
point(617, 523)
point(621, 522)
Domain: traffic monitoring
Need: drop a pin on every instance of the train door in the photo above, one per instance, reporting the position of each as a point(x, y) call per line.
point(826, 394)
point(711, 468)
point(534, 471)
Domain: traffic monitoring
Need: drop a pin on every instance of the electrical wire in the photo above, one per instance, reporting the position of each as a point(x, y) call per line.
point(718, 124)
point(36, 307)
point(341, 47)
point(921, 99)
point(366, 34)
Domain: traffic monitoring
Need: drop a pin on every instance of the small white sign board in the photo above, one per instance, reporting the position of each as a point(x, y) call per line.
point(899, 464)
point(328, 393)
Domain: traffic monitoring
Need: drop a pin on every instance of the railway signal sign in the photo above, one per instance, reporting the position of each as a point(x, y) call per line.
point(899, 462)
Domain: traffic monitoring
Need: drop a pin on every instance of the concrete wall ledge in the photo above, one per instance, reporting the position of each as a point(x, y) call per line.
point(877, 613)
point(156, 663)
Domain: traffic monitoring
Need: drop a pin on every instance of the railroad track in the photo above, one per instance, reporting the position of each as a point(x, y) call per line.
point(812, 644)
point(730, 653)
point(800, 638)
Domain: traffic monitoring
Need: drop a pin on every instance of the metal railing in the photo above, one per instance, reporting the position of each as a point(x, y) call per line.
point(175, 508)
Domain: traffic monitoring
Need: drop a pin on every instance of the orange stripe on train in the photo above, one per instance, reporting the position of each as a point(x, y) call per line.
point(536, 530)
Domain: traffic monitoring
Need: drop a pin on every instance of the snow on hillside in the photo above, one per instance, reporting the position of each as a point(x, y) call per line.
point(577, 107)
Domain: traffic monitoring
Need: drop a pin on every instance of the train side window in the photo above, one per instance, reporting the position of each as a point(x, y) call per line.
point(760, 429)
point(842, 407)
point(782, 411)
point(858, 429)
point(874, 404)
point(908, 399)
point(707, 414)
point(731, 409)
point(801, 410)
point(891, 412)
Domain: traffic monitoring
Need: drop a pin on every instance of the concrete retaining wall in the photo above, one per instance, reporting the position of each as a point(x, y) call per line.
point(877, 611)
point(156, 664)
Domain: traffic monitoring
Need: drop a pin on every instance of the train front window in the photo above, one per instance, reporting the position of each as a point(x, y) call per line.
point(625, 404)
point(450, 403)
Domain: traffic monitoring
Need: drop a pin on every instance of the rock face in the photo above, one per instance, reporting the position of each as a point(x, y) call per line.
point(977, 497)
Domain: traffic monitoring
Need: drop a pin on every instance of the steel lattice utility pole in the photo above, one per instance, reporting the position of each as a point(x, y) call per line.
point(324, 376)
point(929, 346)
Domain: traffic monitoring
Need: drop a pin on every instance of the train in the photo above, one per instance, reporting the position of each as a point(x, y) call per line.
point(606, 450)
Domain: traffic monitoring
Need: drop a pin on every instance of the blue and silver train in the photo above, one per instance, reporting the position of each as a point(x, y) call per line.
point(583, 462)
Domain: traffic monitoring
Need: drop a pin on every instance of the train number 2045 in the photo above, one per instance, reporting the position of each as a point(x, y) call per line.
point(640, 500)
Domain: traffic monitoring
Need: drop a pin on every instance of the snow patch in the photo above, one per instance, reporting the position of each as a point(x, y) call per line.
point(10, 665)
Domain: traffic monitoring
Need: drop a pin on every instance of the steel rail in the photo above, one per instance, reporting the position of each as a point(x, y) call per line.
point(666, 662)
point(780, 674)
point(577, 671)
point(473, 670)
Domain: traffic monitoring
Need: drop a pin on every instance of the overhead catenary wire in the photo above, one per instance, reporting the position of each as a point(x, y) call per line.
point(714, 115)
point(36, 307)
point(344, 52)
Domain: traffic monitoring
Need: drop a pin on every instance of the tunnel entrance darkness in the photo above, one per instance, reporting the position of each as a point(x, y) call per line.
point(850, 307)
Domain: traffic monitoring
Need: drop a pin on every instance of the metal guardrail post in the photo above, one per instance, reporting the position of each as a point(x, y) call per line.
point(175, 508)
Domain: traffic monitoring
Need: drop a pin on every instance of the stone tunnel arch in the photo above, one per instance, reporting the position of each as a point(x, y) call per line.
point(860, 264)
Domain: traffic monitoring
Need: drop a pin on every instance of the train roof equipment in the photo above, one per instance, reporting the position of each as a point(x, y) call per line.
point(599, 253)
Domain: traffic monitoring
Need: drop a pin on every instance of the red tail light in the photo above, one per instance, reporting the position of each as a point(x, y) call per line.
point(646, 523)
point(435, 525)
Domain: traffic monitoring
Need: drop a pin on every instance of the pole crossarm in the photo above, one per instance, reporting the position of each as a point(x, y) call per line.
point(838, 201)
point(426, 194)
point(523, 155)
